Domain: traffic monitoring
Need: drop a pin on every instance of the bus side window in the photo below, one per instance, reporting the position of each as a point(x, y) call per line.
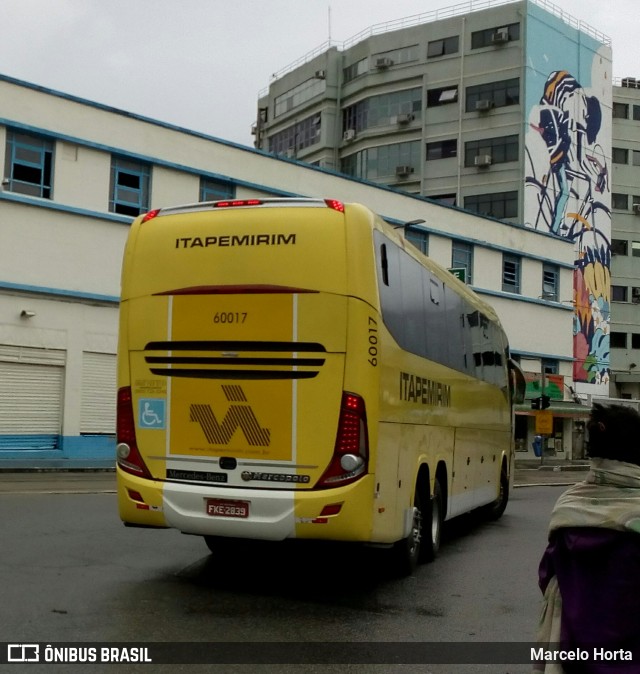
point(384, 264)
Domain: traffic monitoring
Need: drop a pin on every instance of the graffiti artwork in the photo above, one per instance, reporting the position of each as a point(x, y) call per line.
point(567, 194)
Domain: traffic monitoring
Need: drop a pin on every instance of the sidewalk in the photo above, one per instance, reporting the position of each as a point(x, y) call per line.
point(104, 481)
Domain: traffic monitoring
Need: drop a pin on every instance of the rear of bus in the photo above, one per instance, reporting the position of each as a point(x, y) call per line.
point(239, 414)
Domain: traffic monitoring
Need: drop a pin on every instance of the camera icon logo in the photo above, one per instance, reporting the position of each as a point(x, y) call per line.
point(23, 653)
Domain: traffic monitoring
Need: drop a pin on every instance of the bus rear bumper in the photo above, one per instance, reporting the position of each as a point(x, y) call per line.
point(265, 514)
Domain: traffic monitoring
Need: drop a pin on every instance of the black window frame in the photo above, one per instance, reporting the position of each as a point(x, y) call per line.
point(442, 149)
point(443, 47)
point(484, 38)
point(500, 94)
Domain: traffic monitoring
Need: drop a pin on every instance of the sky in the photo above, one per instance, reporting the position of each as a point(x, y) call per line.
point(200, 64)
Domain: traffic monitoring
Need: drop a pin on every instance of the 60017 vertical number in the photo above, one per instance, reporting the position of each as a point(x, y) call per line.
point(373, 342)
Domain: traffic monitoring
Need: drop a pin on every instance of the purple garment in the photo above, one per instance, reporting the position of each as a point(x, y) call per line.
point(598, 572)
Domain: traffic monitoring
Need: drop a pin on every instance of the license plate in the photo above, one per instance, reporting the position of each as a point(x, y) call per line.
point(217, 507)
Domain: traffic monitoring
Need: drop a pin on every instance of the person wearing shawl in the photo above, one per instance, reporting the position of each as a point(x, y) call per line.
point(590, 571)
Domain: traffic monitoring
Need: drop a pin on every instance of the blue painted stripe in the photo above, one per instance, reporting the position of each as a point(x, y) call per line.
point(24, 442)
point(59, 292)
point(80, 451)
point(52, 205)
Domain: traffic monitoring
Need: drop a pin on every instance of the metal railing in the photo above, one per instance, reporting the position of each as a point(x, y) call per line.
point(435, 15)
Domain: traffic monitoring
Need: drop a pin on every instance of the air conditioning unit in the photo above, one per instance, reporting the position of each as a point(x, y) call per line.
point(383, 62)
point(636, 208)
point(404, 170)
point(482, 160)
point(484, 104)
point(320, 74)
point(500, 36)
point(404, 118)
point(348, 135)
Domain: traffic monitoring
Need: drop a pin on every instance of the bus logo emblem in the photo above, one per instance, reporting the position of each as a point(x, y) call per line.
point(239, 415)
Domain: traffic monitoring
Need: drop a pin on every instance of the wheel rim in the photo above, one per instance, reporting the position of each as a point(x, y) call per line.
point(416, 530)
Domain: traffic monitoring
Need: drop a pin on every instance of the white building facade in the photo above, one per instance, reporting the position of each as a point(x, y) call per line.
point(76, 173)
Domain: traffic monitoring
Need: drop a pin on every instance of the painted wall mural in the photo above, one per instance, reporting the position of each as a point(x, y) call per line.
point(570, 182)
point(567, 175)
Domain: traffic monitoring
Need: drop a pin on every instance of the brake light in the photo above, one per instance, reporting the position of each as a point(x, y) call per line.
point(150, 215)
point(351, 452)
point(237, 202)
point(335, 204)
point(127, 453)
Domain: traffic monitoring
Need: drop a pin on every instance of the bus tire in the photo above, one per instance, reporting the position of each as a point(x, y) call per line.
point(496, 509)
point(432, 534)
point(406, 552)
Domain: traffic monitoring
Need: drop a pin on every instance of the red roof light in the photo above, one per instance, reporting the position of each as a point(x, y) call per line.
point(150, 215)
point(335, 204)
point(237, 202)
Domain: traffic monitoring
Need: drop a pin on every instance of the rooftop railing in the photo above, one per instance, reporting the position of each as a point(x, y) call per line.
point(436, 15)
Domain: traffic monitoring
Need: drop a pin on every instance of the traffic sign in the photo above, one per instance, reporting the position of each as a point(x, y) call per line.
point(544, 422)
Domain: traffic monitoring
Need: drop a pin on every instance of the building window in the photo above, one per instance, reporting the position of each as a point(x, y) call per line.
point(442, 96)
point(462, 258)
point(297, 137)
point(620, 111)
point(635, 248)
point(635, 158)
point(618, 293)
point(619, 155)
point(499, 150)
point(635, 340)
point(619, 246)
point(488, 36)
point(636, 113)
point(446, 199)
point(498, 94)
point(29, 165)
point(442, 149)
point(129, 187)
point(298, 95)
point(448, 45)
point(619, 201)
point(418, 238)
point(216, 190)
point(550, 366)
point(355, 70)
point(635, 295)
point(399, 56)
point(550, 282)
point(618, 340)
point(383, 162)
point(511, 273)
point(383, 110)
point(497, 205)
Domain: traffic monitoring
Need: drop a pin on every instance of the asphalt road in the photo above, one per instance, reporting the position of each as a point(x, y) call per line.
point(70, 572)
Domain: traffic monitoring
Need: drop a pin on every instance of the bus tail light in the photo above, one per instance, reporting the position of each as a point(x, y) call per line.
point(351, 452)
point(127, 453)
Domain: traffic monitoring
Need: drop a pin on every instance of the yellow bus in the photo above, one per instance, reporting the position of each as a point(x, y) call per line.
point(294, 368)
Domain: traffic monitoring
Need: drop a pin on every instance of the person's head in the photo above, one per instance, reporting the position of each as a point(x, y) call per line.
point(614, 433)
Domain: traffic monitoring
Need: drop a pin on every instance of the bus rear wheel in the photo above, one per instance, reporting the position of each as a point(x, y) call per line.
point(495, 510)
point(423, 541)
point(433, 532)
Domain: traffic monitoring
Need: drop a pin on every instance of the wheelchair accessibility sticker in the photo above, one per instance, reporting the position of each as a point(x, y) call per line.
point(152, 413)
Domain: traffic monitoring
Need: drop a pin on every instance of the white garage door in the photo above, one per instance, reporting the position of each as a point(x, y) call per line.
point(31, 391)
point(98, 403)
